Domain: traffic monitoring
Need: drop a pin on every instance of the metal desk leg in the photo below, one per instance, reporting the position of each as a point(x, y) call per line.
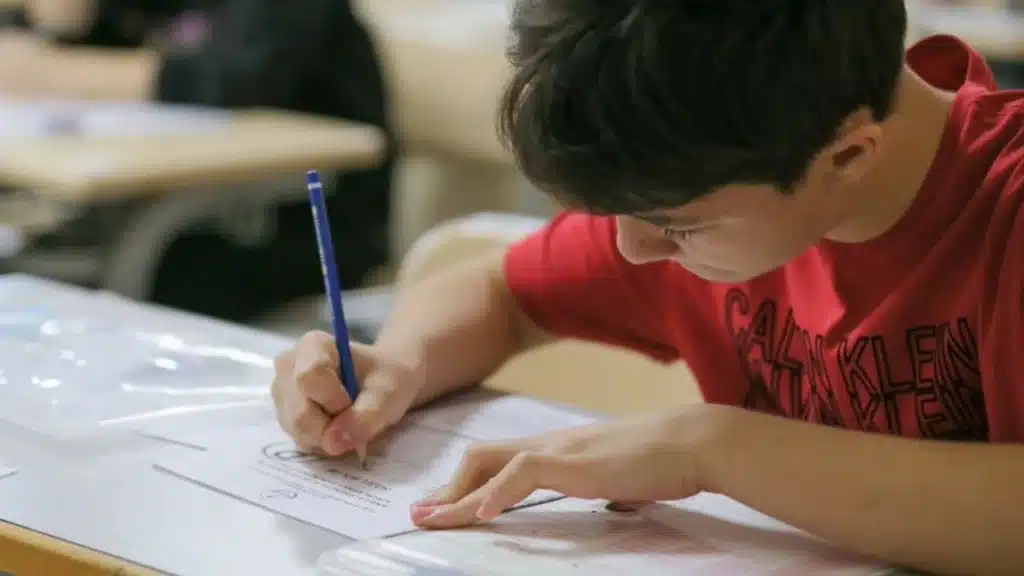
point(243, 214)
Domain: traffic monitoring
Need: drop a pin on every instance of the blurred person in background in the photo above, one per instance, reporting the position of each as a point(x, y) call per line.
point(311, 56)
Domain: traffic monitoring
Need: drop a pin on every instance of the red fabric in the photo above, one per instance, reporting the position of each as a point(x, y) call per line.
point(914, 333)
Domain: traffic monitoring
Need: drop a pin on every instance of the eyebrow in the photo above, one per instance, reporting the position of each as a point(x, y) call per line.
point(666, 221)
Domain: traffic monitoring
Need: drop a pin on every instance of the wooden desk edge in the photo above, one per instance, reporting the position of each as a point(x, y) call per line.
point(89, 188)
point(132, 187)
point(25, 552)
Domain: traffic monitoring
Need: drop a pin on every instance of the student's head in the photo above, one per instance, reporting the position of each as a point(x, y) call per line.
point(719, 131)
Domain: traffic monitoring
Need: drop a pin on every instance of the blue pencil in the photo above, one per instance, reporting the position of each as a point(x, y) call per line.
point(332, 283)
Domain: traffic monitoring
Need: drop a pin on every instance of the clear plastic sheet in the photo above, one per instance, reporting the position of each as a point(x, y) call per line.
point(75, 363)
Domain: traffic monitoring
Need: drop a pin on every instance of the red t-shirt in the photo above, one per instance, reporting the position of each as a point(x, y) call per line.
point(916, 333)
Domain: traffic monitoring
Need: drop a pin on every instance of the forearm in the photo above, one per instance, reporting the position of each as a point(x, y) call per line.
point(941, 507)
point(457, 327)
point(102, 74)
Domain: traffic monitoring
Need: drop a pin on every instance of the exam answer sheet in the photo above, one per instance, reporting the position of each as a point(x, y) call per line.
point(35, 118)
point(260, 465)
point(704, 535)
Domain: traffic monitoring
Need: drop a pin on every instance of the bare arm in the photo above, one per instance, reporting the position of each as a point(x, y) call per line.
point(458, 327)
point(949, 508)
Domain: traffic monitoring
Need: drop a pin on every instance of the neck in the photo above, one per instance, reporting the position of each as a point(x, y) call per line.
point(912, 135)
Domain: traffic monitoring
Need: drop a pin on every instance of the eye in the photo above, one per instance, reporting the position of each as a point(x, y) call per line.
point(678, 234)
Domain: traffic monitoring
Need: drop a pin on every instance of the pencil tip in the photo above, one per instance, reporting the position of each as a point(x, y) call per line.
point(361, 454)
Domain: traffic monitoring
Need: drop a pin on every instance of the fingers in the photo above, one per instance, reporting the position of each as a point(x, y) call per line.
point(495, 479)
point(315, 372)
point(479, 464)
point(526, 473)
point(307, 392)
point(305, 422)
point(384, 397)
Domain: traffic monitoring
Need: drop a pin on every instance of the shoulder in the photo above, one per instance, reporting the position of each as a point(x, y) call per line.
point(1003, 255)
point(576, 247)
point(570, 279)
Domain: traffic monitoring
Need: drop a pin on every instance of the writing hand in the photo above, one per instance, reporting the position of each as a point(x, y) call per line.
point(313, 408)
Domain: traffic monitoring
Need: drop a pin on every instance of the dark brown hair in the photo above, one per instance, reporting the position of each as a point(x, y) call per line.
point(626, 106)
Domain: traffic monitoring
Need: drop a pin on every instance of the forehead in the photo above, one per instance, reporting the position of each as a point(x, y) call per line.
point(725, 203)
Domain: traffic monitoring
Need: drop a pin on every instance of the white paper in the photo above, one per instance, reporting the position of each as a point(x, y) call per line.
point(573, 536)
point(261, 465)
point(24, 119)
point(499, 418)
point(6, 471)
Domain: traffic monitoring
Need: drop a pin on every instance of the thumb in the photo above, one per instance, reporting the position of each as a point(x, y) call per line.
point(382, 400)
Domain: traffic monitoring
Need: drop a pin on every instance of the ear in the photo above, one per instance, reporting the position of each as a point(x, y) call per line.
point(855, 149)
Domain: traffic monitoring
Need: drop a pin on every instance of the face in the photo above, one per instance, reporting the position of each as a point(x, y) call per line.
point(731, 235)
point(740, 232)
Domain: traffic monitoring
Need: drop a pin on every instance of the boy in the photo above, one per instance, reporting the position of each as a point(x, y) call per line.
point(824, 228)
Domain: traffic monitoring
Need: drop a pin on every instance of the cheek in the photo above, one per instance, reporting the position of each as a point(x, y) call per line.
point(753, 243)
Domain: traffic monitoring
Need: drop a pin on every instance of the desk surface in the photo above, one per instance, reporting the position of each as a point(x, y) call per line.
point(252, 144)
point(105, 495)
point(111, 499)
point(108, 497)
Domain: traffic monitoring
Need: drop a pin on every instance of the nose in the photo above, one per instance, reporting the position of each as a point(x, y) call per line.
point(642, 243)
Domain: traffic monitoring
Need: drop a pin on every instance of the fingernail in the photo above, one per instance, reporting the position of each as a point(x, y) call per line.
point(342, 442)
point(436, 512)
point(422, 514)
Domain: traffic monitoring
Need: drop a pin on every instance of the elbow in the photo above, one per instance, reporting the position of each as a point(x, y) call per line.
point(525, 333)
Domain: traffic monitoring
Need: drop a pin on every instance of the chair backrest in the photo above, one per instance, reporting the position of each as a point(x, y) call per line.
point(445, 65)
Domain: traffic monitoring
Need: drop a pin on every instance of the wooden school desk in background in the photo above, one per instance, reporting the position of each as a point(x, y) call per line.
point(189, 165)
point(84, 167)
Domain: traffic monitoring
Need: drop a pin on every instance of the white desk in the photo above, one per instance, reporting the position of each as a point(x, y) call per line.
point(104, 494)
point(113, 500)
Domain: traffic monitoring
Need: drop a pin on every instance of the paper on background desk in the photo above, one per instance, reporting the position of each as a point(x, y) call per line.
point(25, 119)
point(706, 535)
point(260, 464)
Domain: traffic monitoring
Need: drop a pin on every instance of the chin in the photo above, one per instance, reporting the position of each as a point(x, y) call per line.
point(718, 275)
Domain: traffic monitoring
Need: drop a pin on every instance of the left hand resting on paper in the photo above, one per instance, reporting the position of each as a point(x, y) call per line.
point(649, 458)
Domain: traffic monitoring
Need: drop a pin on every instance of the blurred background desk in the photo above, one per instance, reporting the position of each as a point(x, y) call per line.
point(994, 28)
point(85, 168)
point(121, 199)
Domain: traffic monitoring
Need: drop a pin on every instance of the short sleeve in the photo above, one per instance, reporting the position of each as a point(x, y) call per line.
point(570, 279)
point(1002, 338)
